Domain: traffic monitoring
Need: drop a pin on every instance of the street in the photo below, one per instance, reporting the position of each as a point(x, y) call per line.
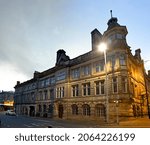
point(32, 122)
point(22, 122)
point(35, 122)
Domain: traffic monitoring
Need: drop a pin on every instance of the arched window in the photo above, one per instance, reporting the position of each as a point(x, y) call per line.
point(74, 109)
point(50, 108)
point(100, 110)
point(40, 108)
point(86, 110)
point(44, 108)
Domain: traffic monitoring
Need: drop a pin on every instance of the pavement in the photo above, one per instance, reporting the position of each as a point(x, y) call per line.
point(136, 123)
point(139, 122)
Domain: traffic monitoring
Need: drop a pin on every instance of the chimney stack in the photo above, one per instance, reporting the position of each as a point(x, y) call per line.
point(138, 53)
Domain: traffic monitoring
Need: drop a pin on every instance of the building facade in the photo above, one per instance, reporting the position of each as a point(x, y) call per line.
point(84, 87)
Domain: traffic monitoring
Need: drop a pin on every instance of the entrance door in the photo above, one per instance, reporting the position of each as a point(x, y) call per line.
point(32, 110)
point(60, 111)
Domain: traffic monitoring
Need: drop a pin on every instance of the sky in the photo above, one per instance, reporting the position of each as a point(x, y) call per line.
point(32, 31)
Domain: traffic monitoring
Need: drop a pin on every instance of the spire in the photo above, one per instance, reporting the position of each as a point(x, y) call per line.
point(112, 21)
point(111, 13)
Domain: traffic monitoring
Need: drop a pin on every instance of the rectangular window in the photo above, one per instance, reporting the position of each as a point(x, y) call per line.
point(52, 94)
point(60, 92)
point(75, 73)
point(100, 88)
point(124, 84)
point(122, 60)
point(45, 95)
point(86, 89)
point(61, 76)
point(113, 62)
point(75, 90)
point(52, 80)
point(42, 83)
point(115, 85)
point(86, 70)
point(99, 66)
point(40, 95)
point(47, 82)
point(97, 88)
point(57, 92)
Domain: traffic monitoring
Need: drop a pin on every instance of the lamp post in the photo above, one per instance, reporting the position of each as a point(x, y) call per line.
point(103, 47)
point(117, 101)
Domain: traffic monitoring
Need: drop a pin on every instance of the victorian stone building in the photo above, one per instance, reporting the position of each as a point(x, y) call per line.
point(79, 89)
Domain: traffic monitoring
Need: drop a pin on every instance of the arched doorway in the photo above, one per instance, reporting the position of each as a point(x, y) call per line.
point(60, 111)
point(100, 110)
point(86, 110)
point(32, 111)
point(74, 109)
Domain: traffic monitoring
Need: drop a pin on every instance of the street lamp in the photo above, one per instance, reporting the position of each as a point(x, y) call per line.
point(103, 47)
point(117, 101)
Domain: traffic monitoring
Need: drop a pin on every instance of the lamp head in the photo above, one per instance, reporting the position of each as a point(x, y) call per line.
point(102, 47)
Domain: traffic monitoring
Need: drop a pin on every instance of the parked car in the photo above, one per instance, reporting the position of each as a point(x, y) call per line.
point(11, 113)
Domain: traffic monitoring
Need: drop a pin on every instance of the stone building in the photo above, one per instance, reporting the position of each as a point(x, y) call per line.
point(84, 87)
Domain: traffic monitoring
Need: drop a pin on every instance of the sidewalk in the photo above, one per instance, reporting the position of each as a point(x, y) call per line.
point(132, 123)
point(136, 123)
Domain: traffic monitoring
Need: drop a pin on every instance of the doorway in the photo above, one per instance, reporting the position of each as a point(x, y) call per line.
point(60, 111)
point(32, 111)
